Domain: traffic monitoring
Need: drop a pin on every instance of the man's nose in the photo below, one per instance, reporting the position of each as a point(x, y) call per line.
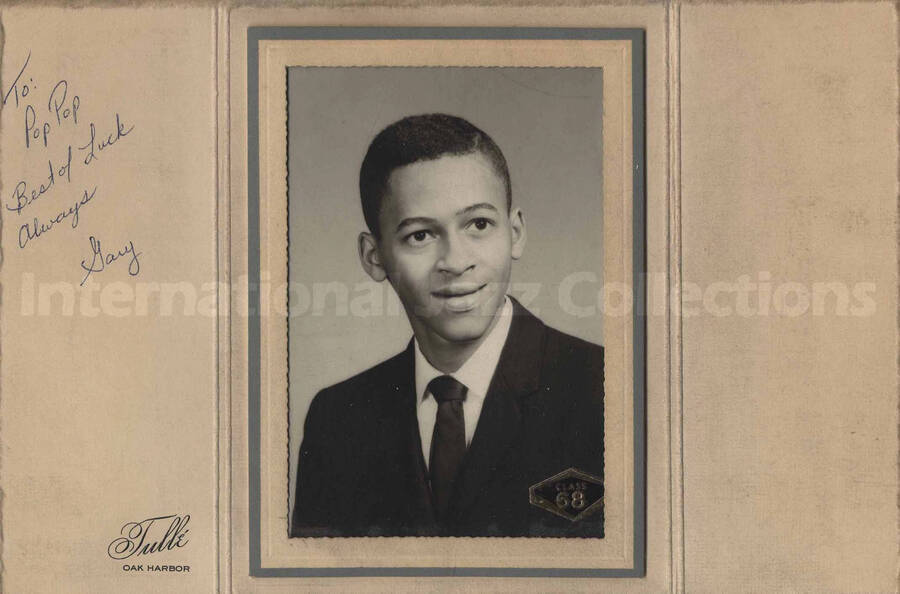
point(456, 256)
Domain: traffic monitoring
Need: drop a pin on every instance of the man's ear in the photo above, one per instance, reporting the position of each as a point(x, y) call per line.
point(370, 258)
point(517, 223)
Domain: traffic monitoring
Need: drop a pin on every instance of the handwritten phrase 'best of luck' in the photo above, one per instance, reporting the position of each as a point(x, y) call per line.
point(52, 127)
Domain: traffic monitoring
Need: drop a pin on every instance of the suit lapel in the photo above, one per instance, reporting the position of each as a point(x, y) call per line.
point(400, 426)
point(500, 424)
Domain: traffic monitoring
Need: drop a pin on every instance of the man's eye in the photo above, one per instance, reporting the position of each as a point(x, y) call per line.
point(417, 237)
point(481, 223)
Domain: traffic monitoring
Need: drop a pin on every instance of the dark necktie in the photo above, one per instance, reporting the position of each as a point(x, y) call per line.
point(448, 442)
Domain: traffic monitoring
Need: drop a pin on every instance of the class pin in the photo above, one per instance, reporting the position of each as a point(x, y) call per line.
point(572, 494)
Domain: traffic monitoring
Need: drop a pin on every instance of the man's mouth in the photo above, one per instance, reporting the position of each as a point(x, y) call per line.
point(459, 298)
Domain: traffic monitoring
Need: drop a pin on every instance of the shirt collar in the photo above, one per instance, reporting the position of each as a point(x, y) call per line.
point(477, 371)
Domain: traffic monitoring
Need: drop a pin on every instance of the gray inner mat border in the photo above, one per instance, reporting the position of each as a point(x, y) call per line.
point(636, 36)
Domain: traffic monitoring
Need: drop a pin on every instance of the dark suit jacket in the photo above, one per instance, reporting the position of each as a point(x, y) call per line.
point(361, 471)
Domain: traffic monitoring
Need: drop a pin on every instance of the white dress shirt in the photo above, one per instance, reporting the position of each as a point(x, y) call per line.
point(475, 374)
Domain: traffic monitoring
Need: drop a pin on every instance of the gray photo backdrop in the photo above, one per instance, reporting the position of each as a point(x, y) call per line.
point(547, 122)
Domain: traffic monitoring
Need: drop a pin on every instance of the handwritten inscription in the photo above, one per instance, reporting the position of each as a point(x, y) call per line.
point(94, 146)
point(57, 129)
point(24, 194)
point(148, 536)
point(19, 86)
point(100, 260)
point(34, 230)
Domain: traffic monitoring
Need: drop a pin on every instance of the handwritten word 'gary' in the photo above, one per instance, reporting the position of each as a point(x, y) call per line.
point(100, 260)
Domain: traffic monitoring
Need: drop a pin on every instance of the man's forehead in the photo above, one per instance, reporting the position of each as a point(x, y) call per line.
point(445, 185)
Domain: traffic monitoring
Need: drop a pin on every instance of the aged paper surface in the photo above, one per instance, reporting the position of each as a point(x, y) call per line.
point(789, 169)
point(771, 151)
point(109, 389)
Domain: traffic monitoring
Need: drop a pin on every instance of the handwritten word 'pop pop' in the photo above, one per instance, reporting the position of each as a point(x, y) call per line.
point(54, 128)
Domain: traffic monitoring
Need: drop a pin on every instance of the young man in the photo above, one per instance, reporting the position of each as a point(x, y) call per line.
point(449, 437)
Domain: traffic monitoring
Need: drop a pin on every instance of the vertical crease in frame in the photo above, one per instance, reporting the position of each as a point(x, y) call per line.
point(225, 553)
point(2, 491)
point(668, 319)
point(287, 296)
point(897, 235)
point(218, 344)
point(674, 325)
point(668, 316)
point(679, 316)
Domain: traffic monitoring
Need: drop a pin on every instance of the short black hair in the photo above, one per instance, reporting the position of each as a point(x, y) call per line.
point(421, 138)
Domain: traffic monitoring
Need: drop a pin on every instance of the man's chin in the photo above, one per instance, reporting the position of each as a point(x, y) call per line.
point(463, 327)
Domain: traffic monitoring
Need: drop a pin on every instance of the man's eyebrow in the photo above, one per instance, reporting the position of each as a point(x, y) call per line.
point(429, 221)
point(415, 220)
point(478, 206)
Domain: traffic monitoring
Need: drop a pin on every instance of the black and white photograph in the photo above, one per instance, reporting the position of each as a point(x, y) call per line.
point(445, 310)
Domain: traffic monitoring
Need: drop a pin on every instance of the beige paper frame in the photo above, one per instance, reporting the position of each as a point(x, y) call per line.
point(616, 549)
point(841, 537)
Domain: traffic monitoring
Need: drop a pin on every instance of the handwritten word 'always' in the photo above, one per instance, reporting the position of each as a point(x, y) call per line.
point(99, 260)
point(30, 231)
